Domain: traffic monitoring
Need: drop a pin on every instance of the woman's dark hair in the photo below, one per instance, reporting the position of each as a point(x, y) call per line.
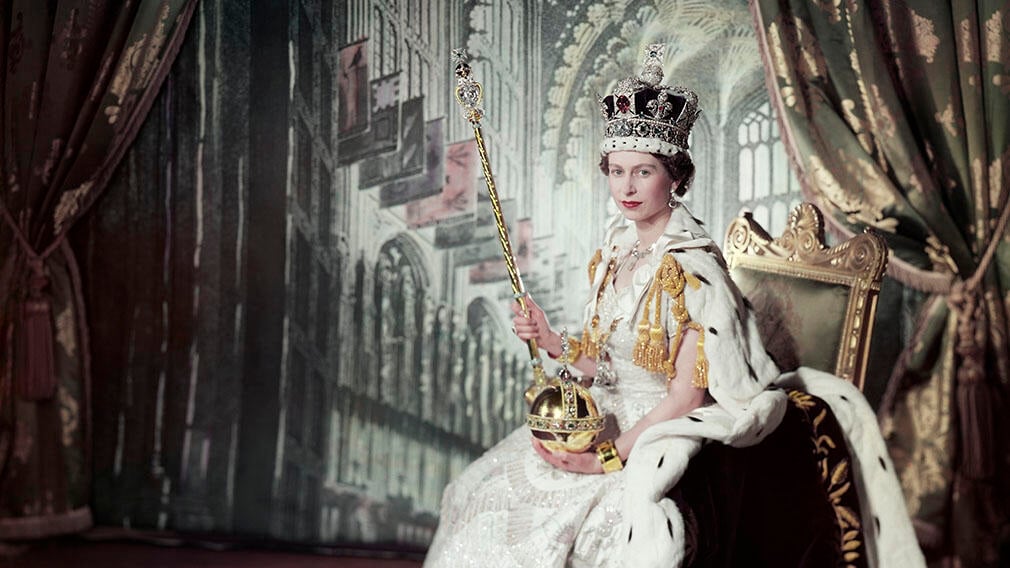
point(679, 166)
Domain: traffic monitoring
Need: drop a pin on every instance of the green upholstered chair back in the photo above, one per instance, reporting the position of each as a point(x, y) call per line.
point(815, 304)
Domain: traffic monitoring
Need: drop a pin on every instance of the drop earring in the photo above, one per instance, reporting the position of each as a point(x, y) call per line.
point(672, 202)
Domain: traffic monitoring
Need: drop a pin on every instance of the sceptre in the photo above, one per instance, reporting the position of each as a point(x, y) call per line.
point(469, 94)
point(563, 414)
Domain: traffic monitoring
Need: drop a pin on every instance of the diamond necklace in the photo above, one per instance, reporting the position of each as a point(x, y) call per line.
point(631, 261)
point(637, 253)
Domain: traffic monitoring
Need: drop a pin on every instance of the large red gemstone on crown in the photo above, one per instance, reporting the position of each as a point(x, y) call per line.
point(623, 104)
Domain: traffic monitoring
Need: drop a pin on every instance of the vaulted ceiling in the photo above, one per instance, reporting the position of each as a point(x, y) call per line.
point(711, 49)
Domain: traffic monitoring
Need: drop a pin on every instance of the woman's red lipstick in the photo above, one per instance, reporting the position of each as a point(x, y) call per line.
point(631, 204)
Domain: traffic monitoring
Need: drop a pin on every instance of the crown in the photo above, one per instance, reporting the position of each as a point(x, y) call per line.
point(644, 116)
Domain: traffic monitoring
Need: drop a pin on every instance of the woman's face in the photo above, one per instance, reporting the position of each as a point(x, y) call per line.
point(640, 185)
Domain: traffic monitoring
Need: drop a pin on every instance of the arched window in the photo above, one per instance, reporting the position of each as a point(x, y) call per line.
point(399, 290)
point(765, 183)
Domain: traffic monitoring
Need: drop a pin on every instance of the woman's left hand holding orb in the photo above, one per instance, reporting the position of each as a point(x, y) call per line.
point(582, 462)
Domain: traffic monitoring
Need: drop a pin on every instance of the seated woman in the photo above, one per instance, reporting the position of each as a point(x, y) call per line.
point(677, 360)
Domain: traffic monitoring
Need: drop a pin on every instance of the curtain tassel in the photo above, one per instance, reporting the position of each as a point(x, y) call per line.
point(975, 405)
point(36, 380)
point(974, 401)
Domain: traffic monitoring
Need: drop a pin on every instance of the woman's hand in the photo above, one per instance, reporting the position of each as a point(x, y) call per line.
point(535, 326)
point(584, 462)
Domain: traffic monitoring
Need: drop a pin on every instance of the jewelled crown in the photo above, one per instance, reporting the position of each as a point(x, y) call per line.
point(644, 116)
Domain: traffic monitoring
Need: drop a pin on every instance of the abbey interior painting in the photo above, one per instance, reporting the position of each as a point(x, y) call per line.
point(254, 290)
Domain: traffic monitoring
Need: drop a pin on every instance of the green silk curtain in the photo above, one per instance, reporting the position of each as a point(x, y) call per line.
point(896, 117)
point(78, 79)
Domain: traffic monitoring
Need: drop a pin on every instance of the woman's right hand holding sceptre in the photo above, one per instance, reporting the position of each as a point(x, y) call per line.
point(535, 326)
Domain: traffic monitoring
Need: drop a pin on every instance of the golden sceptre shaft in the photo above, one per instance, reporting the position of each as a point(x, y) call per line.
point(469, 94)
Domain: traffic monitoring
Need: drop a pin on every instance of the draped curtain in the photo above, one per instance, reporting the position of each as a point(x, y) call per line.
point(895, 116)
point(77, 81)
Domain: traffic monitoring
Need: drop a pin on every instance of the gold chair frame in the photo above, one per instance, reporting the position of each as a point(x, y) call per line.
point(800, 252)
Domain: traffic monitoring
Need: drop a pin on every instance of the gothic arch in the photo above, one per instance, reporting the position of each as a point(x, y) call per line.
point(482, 310)
point(404, 245)
point(748, 103)
point(400, 285)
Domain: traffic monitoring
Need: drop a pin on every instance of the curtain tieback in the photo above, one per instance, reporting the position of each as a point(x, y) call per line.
point(35, 377)
point(974, 400)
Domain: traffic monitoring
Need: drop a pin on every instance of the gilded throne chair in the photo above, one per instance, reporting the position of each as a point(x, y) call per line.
point(815, 305)
point(781, 502)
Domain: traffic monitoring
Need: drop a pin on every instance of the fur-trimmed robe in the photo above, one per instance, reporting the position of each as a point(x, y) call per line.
point(749, 404)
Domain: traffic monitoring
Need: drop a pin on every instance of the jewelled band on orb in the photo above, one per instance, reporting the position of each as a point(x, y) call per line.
point(566, 425)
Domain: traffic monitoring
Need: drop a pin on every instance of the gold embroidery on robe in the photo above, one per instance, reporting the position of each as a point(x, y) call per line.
point(592, 335)
point(834, 476)
point(593, 264)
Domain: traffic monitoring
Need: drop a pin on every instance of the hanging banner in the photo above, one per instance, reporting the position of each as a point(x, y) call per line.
point(455, 232)
point(352, 89)
point(522, 248)
point(412, 148)
point(475, 228)
point(384, 132)
point(424, 184)
point(385, 124)
point(476, 252)
point(408, 160)
point(458, 195)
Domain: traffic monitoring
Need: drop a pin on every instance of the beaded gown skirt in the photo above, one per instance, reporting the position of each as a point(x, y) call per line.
point(511, 508)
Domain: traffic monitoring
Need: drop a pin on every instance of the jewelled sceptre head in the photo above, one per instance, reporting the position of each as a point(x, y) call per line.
point(562, 412)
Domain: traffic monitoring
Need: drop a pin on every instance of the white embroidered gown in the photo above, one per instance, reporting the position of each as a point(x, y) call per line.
point(511, 508)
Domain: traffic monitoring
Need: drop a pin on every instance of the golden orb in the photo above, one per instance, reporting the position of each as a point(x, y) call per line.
point(564, 417)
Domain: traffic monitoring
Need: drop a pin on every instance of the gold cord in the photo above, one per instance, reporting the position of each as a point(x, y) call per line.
point(651, 351)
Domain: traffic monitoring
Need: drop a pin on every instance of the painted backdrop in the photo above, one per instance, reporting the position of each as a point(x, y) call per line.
point(299, 319)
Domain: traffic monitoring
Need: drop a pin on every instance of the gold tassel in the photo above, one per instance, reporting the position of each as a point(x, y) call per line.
point(700, 377)
point(651, 352)
point(671, 364)
point(655, 353)
point(650, 348)
point(641, 345)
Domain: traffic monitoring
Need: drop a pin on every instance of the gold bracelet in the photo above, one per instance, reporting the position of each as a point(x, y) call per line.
point(606, 451)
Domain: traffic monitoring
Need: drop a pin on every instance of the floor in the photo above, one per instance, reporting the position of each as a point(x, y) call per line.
point(165, 552)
